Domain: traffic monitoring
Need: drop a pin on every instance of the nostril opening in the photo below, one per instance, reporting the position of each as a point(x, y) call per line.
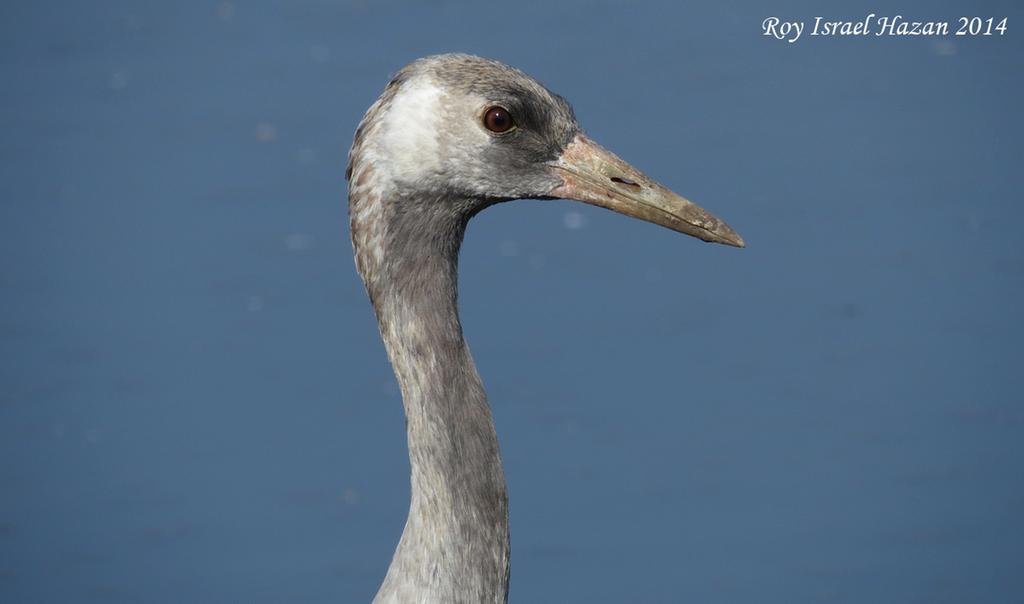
point(625, 181)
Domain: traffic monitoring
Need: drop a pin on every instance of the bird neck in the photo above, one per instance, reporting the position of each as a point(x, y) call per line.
point(455, 545)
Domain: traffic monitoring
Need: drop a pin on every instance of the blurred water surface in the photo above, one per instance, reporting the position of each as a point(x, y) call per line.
point(195, 405)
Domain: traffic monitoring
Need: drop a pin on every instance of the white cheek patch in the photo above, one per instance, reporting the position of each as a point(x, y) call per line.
point(410, 131)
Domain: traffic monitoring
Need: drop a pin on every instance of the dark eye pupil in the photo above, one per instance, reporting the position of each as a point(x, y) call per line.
point(497, 119)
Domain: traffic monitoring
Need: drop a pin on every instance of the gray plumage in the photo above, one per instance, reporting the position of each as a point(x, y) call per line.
point(421, 165)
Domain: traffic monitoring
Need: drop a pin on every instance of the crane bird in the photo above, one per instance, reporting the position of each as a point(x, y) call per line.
point(449, 136)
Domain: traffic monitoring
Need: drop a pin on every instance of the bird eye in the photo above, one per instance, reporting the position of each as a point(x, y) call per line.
point(497, 119)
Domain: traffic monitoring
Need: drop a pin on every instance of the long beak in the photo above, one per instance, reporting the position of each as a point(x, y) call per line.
point(594, 175)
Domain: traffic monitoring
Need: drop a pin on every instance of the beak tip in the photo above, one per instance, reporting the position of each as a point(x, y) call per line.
point(726, 236)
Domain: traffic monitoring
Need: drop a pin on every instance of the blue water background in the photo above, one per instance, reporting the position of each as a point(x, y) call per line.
point(195, 405)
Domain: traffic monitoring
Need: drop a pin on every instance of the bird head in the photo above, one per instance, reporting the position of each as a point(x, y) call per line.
point(475, 132)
